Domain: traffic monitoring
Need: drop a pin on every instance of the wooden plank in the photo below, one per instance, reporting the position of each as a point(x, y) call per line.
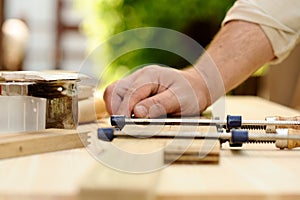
point(251, 107)
point(256, 171)
point(108, 184)
point(117, 180)
point(49, 140)
point(129, 160)
point(232, 178)
point(193, 152)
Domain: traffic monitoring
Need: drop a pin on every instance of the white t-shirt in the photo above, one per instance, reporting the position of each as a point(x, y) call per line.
point(279, 19)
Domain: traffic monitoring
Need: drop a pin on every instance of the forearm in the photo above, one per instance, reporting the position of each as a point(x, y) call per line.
point(236, 52)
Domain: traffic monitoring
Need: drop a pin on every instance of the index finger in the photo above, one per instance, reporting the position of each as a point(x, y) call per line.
point(136, 93)
point(114, 93)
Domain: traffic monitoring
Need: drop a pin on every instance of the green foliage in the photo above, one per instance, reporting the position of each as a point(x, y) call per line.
point(199, 19)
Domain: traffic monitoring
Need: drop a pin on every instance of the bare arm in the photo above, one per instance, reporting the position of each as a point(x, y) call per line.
point(239, 49)
point(236, 52)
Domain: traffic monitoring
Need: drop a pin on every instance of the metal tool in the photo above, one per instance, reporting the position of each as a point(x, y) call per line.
point(22, 113)
point(120, 121)
point(58, 89)
point(236, 129)
point(284, 138)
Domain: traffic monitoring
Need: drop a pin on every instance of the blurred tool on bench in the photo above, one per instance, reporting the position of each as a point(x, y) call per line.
point(284, 131)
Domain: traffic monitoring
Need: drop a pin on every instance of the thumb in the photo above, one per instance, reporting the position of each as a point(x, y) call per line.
point(157, 105)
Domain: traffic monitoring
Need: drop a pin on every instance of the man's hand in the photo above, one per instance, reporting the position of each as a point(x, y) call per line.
point(154, 91)
point(236, 52)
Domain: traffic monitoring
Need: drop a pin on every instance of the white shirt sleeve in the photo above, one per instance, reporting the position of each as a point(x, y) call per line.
point(279, 19)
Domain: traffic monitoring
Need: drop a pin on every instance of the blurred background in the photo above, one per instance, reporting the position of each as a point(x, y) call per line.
point(60, 34)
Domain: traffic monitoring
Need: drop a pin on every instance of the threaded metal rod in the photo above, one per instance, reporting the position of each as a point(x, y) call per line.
point(196, 122)
point(263, 137)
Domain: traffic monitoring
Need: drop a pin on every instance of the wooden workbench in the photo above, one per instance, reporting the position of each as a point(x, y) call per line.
point(257, 171)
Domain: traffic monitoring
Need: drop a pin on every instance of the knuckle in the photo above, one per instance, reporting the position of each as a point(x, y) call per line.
point(108, 91)
point(131, 91)
point(150, 69)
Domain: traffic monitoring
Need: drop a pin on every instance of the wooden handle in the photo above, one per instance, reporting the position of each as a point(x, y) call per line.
point(296, 118)
point(91, 109)
point(293, 143)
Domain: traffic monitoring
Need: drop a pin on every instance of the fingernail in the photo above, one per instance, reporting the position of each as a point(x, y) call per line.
point(140, 111)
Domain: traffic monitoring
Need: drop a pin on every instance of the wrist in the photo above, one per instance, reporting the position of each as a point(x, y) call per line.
point(199, 86)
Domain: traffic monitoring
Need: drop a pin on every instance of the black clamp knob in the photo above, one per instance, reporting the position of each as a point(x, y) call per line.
point(238, 137)
point(118, 121)
point(233, 122)
point(106, 134)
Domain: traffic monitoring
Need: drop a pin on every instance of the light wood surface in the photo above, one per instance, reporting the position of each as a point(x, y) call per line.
point(104, 183)
point(49, 140)
point(257, 171)
point(180, 153)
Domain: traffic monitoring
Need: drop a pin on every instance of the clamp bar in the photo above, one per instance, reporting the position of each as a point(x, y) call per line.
point(119, 121)
point(235, 137)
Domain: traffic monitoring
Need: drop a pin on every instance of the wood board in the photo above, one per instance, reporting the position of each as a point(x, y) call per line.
point(136, 177)
point(49, 140)
point(193, 152)
point(250, 172)
point(106, 183)
point(254, 172)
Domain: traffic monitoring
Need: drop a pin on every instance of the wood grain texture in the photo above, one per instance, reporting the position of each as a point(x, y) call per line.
point(257, 171)
point(49, 140)
point(251, 172)
point(193, 152)
point(106, 183)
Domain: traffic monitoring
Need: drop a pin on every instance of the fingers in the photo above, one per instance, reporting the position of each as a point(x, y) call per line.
point(114, 93)
point(122, 96)
point(112, 100)
point(152, 92)
point(137, 92)
point(156, 106)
